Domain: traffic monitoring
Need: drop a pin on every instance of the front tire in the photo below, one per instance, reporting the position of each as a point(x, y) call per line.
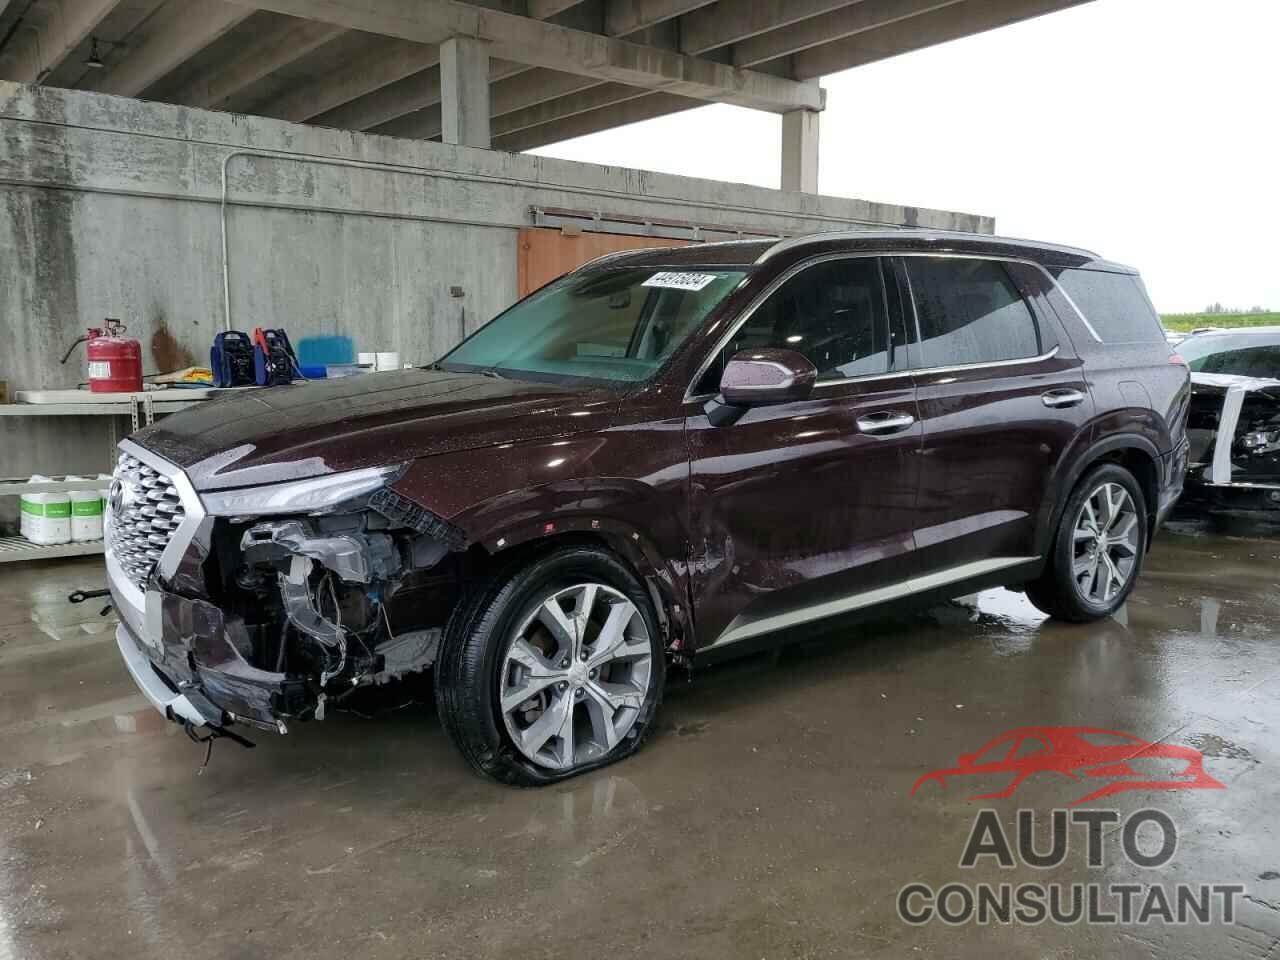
point(554, 669)
point(1097, 550)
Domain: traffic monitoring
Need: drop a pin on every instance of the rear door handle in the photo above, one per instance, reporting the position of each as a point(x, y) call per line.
point(1062, 398)
point(880, 423)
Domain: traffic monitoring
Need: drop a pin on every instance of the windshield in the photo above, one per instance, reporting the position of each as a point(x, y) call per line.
point(614, 325)
point(1242, 355)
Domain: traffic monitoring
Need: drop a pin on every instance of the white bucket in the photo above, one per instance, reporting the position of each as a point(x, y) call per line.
point(86, 514)
point(46, 517)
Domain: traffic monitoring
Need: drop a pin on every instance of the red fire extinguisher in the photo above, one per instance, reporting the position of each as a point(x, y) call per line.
point(115, 363)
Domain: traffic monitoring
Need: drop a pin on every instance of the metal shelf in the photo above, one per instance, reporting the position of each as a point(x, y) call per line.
point(14, 487)
point(20, 548)
point(112, 409)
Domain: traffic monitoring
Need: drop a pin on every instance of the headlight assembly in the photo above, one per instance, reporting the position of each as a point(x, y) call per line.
point(298, 496)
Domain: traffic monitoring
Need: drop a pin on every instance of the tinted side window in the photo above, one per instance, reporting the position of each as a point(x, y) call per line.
point(832, 312)
point(1115, 304)
point(969, 312)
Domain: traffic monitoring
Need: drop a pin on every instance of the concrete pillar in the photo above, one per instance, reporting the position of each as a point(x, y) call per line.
point(800, 151)
point(464, 91)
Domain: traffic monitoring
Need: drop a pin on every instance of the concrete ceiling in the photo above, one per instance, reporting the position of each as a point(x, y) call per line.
point(559, 69)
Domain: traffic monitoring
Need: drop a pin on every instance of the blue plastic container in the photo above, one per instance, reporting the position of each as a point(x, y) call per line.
point(319, 352)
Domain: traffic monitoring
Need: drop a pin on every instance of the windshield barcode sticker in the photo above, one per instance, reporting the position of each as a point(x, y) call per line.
point(680, 281)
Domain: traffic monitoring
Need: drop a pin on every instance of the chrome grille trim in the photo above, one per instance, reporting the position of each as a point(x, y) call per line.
point(139, 534)
point(154, 528)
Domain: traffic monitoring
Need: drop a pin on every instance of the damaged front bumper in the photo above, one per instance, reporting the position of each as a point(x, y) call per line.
point(181, 655)
point(1235, 456)
point(263, 617)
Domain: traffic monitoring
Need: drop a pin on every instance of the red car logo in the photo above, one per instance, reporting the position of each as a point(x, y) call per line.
point(1078, 753)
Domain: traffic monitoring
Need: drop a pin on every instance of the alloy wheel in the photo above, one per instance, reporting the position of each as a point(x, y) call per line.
point(575, 676)
point(1105, 544)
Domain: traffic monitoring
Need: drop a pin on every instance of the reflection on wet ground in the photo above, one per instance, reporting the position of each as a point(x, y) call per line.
point(770, 816)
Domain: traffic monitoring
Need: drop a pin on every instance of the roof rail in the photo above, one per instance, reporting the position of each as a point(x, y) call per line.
point(791, 243)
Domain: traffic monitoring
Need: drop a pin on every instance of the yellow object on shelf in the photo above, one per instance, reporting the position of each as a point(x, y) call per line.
point(191, 376)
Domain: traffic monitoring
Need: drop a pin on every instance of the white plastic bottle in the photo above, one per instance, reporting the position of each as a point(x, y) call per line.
point(86, 514)
point(48, 516)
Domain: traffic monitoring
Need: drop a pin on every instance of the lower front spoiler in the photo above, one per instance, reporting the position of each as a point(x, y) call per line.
point(181, 707)
point(1252, 501)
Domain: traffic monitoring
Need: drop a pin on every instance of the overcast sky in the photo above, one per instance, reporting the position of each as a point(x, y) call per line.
point(1147, 130)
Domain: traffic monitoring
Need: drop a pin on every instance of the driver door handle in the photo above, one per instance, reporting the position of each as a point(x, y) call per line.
point(887, 422)
point(1062, 398)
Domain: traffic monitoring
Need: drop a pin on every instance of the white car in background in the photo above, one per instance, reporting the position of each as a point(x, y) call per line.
point(1234, 425)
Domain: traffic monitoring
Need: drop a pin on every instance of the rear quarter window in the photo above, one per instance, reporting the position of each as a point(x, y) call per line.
point(1114, 304)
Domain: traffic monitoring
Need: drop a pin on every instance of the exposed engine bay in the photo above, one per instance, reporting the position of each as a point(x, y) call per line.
point(322, 606)
point(1234, 430)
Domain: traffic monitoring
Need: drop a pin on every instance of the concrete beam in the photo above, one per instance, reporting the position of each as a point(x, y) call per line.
point(511, 95)
point(464, 91)
point(906, 25)
point(403, 109)
point(541, 44)
point(386, 61)
point(622, 17)
point(703, 41)
point(730, 21)
point(414, 93)
point(177, 32)
point(43, 50)
point(826, 28)
point(645, 107)
point(800, 151)
point(266, 53)
point(599, 97)
point(546, 9)
point(950, 23)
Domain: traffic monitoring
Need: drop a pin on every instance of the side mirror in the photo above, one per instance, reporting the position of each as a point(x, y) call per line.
point(756, 378)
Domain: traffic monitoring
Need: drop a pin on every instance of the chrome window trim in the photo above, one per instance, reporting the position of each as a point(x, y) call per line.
point(723, 341)
point(758, 626)
point(1074, 306)
point(911, 296)
point(755, 305)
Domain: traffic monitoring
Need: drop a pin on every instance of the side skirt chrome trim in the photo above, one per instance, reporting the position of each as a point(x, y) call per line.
point(737, 631)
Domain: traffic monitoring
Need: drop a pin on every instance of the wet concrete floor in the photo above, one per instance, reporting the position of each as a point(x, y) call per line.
point(771, 816)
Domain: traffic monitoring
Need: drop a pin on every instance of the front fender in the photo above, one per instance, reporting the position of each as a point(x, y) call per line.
point(626, 488)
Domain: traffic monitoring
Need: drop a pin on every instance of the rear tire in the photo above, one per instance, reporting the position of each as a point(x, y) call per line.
point(1097, 549)
point(553, 669)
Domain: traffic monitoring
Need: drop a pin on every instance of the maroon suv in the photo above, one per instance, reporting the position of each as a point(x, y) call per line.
point(666, 455)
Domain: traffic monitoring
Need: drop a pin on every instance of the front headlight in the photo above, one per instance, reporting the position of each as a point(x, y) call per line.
point(298, 496)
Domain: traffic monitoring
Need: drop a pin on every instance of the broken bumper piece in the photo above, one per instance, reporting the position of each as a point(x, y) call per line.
point(159, 690)
point(196, 675)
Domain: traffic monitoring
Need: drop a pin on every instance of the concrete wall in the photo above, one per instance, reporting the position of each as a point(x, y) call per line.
point(113, 207)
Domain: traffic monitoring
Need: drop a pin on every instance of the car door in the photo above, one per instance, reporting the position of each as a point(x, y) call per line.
point(1002, 398)
point(798, 505)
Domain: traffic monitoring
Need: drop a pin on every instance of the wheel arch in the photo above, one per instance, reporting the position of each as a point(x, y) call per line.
point(1134, 452)
point(523, 536)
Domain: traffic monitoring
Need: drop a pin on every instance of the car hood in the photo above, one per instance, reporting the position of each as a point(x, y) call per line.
point(305, 430)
